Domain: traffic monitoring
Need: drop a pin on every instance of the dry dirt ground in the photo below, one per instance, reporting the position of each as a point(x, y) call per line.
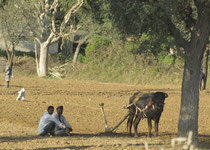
point(19, 119)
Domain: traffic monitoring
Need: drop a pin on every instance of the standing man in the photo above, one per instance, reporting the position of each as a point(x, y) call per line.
point(48, 122)
point(59, 117)
point(8, 74)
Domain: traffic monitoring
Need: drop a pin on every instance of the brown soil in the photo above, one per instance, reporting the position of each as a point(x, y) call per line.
point(19, 119)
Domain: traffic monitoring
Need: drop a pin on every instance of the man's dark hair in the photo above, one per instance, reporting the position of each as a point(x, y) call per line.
point(50, 107)
point(59, 107)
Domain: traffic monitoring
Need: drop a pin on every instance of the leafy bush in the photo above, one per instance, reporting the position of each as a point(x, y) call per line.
point(3, 53)
point(165, 59)
point(96, 47)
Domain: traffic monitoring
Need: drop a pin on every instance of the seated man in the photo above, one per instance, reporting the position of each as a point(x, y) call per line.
point(58, 116)
point(48, 122)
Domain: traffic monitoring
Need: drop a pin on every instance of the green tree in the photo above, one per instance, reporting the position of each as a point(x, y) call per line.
point(189, 24)
point(90, 20)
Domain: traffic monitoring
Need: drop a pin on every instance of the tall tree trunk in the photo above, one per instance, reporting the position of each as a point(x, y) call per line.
point(188, 119)
point(43, 60)
point(205, 67)
point(194, 51)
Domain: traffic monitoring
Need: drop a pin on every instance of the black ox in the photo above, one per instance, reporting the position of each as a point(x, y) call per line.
point(145, 105)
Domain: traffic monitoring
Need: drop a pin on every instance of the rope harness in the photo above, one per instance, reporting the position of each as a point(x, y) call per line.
point(143, 111)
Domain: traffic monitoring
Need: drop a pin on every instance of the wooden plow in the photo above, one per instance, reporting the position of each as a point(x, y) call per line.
point(105, 120)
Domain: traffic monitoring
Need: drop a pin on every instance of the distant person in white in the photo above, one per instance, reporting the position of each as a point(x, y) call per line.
point(48, 122)
point(21, 94)
point(59, 117)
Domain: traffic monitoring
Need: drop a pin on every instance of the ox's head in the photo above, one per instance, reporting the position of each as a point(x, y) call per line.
point(159, 97)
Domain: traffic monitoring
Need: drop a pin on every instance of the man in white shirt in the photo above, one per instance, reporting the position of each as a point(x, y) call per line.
point(48, 122)
point(59, 117)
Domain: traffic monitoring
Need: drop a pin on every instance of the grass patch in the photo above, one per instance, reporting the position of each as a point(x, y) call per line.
point(119, 65)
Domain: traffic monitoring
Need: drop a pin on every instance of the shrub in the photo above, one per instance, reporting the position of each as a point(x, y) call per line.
point(96, 47)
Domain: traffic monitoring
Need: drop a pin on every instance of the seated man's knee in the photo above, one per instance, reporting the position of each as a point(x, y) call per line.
point(49, 128)
point(60, 133)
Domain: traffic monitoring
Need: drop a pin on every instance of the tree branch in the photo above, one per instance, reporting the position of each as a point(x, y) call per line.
point(54, 7)
point(35, 36)
point(58, 35)
point(69, 14)
point(177, 35)
point(85, 39)
point(198, 4)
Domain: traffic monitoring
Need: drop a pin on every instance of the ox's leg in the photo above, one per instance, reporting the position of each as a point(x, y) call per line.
point(156, 127)
point(149, 121)
point(136, 123)
point(130, 122)
point(132, 111)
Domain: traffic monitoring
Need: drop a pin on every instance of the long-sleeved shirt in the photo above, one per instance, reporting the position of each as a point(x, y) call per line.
point(46, 118)
point(62, 120)
point(8, 73)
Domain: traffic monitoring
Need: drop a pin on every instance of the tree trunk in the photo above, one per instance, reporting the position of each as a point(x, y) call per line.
point(76, 53)
point(205, 68)
point(59, 45)
point(188, 119)
point(12, 56)
point(71, 44)
point(43, 60)
point(74, 61)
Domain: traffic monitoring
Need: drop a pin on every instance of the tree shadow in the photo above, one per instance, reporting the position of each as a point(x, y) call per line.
point(68, 147)
point(204, 141)
point(121, 134)
point(102, 134)
point(4, 139)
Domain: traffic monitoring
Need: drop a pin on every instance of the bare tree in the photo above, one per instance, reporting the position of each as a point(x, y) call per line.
point(12, 31)
point(43, 13)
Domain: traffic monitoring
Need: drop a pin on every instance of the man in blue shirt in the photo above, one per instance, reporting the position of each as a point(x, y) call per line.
point(48, 122)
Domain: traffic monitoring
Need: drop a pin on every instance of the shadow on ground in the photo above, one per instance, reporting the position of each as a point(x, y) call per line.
point(204, 140)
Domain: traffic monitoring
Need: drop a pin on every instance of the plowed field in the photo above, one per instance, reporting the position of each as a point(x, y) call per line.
point(19, 119)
